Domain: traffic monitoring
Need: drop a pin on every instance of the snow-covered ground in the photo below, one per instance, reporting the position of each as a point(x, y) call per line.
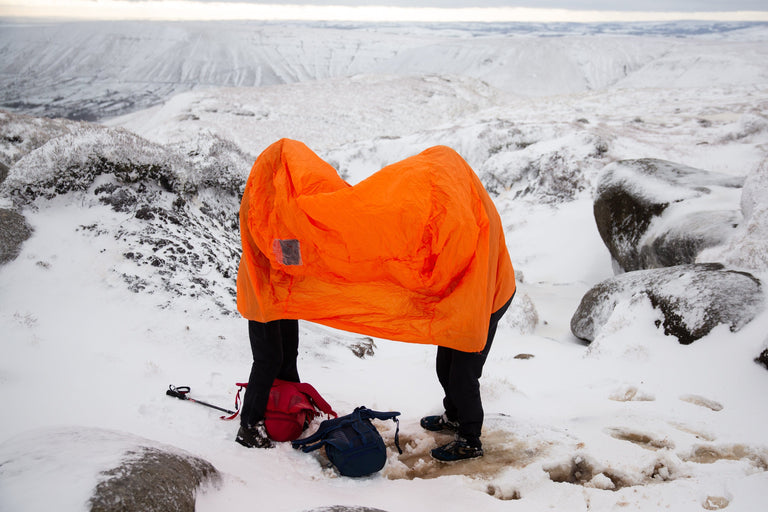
point(633, 422)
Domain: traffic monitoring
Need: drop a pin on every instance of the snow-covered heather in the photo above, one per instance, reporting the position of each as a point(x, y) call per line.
point(633, 422)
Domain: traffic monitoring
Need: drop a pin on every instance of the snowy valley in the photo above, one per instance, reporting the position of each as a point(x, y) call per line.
point(123, 281)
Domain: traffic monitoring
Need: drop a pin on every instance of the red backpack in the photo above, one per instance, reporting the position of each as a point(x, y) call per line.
point(290, 408)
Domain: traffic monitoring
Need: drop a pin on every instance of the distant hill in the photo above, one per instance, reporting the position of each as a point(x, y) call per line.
point(96, 70)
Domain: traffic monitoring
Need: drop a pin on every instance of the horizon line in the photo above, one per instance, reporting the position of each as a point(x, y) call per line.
point(185, 10)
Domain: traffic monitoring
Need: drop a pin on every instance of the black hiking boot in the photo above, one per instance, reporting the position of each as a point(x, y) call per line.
point(439, 423)
point(458, 449)
point(254, 436)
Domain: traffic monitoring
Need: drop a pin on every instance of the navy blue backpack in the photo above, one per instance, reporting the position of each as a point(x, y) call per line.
point(351, 442)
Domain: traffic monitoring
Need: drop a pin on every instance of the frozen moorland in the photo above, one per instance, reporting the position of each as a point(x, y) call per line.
point(126, 284)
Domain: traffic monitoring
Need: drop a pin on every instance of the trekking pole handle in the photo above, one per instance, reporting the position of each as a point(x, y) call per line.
point(178, 392)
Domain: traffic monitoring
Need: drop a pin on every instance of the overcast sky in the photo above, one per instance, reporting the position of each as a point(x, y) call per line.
point(610, 5)
point(600, 5)
point(394, 10)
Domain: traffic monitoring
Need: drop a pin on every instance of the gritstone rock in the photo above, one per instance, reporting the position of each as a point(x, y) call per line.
point(152, 479)
point(653, 213)
point(693, 299)
point(104, 470)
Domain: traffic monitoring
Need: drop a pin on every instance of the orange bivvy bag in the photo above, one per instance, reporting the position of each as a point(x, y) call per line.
point(415, 252)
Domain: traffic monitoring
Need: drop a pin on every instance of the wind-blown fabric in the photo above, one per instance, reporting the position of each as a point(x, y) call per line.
point(413, 253)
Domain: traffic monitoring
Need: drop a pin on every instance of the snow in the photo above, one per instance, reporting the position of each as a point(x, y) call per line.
point(633, 422)
point(748, 247)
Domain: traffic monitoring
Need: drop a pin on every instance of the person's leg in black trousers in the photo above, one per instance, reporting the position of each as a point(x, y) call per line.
point(275, 347)
point(459, 374)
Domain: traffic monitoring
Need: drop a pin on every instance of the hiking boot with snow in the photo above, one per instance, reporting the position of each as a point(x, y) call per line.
point(254, 436)
point(439, 423)
point(458, 449)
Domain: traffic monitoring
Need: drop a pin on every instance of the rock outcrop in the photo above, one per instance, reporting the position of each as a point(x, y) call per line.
point(673, 229)
point(179, 203)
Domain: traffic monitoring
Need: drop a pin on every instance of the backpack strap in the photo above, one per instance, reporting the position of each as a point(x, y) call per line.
point(318, 437)
point(391, 415)
point(240, 387)
point(305, 445)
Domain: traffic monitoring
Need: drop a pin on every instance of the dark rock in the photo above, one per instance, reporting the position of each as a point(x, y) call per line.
point(3, 172)
point(645, 212)
point(152, 479)
point(121, 199)
point(145, 213)
point(363, 347)
point(763, 358)
point(693, 299)
point(14, 231)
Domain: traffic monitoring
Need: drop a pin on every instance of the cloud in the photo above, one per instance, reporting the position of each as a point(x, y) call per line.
point(591, 5)
point(579, 11)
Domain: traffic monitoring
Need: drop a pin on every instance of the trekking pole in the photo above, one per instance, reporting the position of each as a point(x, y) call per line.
point(181, 393)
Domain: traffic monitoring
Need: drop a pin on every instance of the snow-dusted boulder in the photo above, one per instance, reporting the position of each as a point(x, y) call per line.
point(748, 248)
point(522, 315)
point(654, 213)
point(107, 470)
point(692, 299)
point(152, 479)
point(14, 230)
